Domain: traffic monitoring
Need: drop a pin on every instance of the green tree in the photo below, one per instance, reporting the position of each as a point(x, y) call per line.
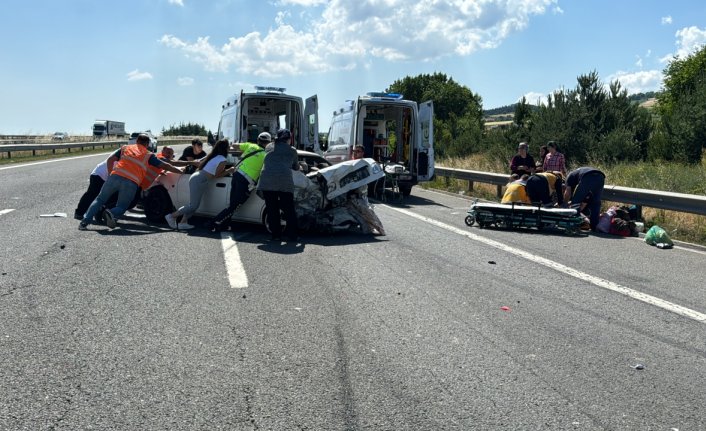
point(182, 129)
point(682, 107)
point(458, 111)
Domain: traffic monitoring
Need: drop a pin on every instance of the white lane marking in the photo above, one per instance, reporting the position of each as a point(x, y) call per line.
point(237, 277)
point(609, 285)
point(3, 212)
point(63, 159)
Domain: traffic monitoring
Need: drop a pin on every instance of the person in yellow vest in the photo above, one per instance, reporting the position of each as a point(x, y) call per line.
point(543, 185)
point(127, 167)
point(516, 192)
point(244, 179)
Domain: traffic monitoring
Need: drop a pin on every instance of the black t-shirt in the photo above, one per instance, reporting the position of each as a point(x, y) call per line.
point(189, 152)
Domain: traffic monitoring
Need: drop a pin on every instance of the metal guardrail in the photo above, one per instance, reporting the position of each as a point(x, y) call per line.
point(694, 204)
point(9, 149)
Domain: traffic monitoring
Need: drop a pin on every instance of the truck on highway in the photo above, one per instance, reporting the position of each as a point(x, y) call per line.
point(106, 128)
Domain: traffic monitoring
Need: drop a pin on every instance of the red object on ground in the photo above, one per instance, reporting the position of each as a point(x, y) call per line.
point(505, 308)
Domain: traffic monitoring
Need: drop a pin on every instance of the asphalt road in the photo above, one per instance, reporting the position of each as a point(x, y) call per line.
point(140, 327)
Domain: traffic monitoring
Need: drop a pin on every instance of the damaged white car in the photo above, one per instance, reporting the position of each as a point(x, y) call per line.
point(328, 198)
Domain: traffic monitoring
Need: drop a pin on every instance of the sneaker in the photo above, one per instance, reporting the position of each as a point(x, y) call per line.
point(78, 216)
point(185, 226)
point(109, 219)
point(82, 226)
point(170, 221)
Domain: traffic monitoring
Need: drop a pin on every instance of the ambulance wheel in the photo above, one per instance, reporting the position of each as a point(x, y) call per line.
point(470, 221)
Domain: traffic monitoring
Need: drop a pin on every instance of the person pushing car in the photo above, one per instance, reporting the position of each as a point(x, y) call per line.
point(244, 178)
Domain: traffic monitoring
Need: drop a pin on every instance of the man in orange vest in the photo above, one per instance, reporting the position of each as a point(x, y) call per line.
point(127, 167)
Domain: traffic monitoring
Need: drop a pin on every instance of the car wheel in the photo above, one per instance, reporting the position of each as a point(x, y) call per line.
point(156, 204)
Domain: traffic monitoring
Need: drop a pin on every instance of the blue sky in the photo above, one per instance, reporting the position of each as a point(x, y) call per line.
point(155, 63)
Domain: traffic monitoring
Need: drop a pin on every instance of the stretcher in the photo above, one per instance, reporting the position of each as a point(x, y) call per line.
point(511, 216)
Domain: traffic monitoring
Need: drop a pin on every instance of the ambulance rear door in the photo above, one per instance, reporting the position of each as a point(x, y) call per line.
point(425, 150)
point(311, 124)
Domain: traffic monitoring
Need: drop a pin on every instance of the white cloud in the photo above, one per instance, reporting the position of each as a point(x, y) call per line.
point(534, 98)
point(350, 34)
point(185, 81)
point(689, 39)
point(558, 11)
point(639, 82)
point(136, 75)
point(666, 20)
point(177, 2)
point(305, 3)
point(638, 63)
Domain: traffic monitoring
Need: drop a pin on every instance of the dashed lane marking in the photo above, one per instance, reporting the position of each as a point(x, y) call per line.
point(237, 277)
point(609, 285)
point(3, 212)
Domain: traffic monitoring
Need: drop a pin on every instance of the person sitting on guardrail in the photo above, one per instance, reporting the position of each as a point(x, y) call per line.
point(583, 190)
point(522, 163)
point(516, 191)
point(554, 160)
point(244, 179)
point(127, 167)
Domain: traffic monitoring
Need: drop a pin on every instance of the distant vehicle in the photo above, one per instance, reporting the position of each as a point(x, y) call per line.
point(106, 128)
point(246, 115)
point(153, 141)
point(395, 132)
point(60, 136)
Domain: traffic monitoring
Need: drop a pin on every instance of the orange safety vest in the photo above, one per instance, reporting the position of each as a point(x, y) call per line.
point(133, 163)
point(151, 174)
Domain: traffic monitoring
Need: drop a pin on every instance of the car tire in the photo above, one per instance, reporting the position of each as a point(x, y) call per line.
point(156, 204)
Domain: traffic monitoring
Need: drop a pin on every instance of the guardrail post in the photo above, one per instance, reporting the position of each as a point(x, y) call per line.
point(500, 191)
point(34, 153)
point(470, 185)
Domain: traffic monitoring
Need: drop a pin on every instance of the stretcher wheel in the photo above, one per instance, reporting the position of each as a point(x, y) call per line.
point(470, 221)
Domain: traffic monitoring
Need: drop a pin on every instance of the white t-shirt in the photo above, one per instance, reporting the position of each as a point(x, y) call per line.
point(101, 170)
point(213, 164)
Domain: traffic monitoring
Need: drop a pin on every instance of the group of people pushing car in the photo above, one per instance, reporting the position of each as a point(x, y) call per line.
point(132, 169)
point(546, 182)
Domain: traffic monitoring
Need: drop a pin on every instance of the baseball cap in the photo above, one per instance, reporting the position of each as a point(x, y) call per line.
point(264, 137)
point(522, 145)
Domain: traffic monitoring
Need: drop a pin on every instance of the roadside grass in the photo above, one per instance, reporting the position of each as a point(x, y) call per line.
point(665, 176)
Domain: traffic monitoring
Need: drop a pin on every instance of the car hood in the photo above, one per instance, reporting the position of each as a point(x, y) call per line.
point(349, 175)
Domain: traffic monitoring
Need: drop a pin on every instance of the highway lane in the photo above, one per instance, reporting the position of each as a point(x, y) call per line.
point(340, 332)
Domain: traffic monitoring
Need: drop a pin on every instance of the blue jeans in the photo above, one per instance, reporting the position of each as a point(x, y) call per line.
point(115, 184)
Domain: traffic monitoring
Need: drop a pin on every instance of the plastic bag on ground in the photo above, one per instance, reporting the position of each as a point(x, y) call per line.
point(657, 235)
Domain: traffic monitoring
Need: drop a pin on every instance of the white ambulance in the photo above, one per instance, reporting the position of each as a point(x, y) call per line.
point(246, 115)
point(395, 132)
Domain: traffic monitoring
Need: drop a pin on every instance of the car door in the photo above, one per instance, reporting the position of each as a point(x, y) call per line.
point(425, 149)
point(311, 124)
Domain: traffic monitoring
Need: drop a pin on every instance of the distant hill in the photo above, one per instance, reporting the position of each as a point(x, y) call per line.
point(646, 100)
